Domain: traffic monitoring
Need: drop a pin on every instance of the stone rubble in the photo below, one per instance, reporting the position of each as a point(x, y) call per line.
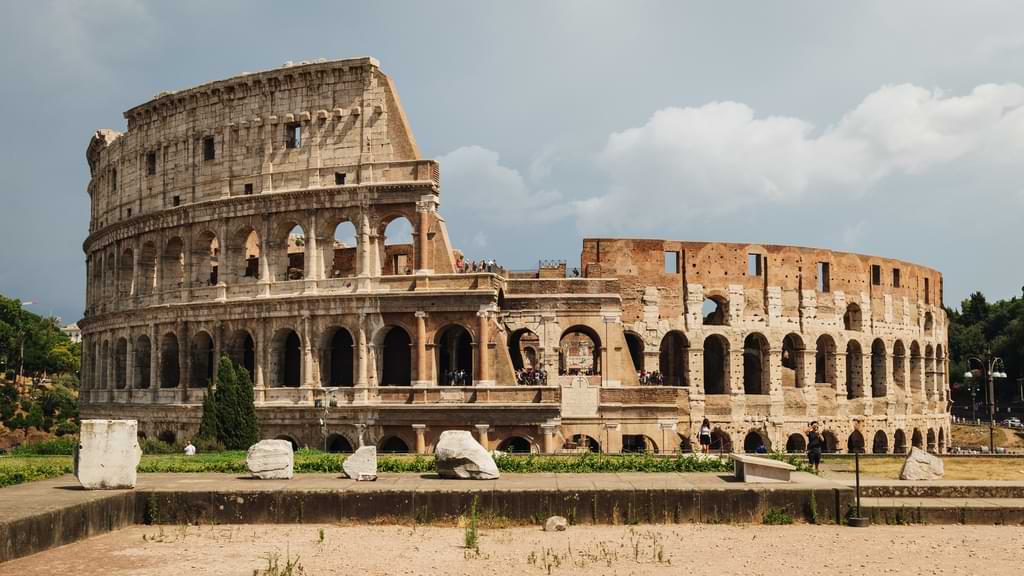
point(458, 455)
point(271, 460)
point(362, 465)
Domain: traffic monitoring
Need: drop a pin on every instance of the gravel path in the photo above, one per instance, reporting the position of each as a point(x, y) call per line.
point(800, 550)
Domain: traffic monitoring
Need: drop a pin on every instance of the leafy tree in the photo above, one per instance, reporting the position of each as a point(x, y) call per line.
point(979, 326)
point(8, 401)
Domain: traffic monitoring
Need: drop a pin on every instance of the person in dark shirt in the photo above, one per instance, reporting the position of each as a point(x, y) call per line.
point(814, 445)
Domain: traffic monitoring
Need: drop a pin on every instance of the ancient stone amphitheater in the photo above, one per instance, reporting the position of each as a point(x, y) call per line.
point(262, 217)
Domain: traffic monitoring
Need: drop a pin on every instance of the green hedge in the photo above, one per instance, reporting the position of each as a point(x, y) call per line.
point(19, 470)
point(62, 446)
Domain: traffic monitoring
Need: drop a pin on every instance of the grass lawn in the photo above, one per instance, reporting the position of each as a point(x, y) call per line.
point(957, 468)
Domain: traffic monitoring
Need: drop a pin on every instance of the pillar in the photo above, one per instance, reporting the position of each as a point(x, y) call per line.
point(218, 341)
point(362, 354)
point(421, 440)
point(154, 361)
point(262, 353)
point(422, 377)
point(364, 247)
point(550, 442)
point(483, 350)
point(424, 208)
point(668, 436)
point(129, 365)
point(311, 257)
point(481, 435)
point(308, 379)
point(265, 255)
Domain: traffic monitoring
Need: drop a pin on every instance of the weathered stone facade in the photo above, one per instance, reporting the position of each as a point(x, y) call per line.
point(214, 229)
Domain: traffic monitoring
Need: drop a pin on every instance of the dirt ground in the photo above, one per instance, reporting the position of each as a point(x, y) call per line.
point(976, 436)
point(717, 550)
point(956, 468)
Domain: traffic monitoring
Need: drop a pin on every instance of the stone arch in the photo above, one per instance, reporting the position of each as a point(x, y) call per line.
point(110, 277)
point(583, 441)
point(853, 318)
point(337, 365)
point(398, 255)
point(454, 346)
point(879, 386)
point(825, 360)
point(831, 442)
point(337, 443)
point(854, 370)
point(524, 348)
point(126, 273)
point(929, 369)
point(716, 365)
point(170, 372)
point(855, 443)
point(720, 440)
point(146, 282)
point(932, 441)
point(579, 351)
point(917, 439)
point(915, 366)
point(796, 443)
point(880, 444)
point(942, 441)
point(929, 323)
point(245, 251)
point(674, 359)
point(393, 445)
point(756, 441)
point(143, 359)
point(202, 360)
point(286, 352)
point(167, 436)
point(206, 251)
point(756, 375)
point(635, 344)
point(638, 443)
point(715, 310)
point(289, 257)
point(241, 349)
point(172, 264)
point(516, 445)
point(291, 440)
point(341, 249)
point(121, 364)
point(395, 362)
point(793, 361)
point(899, 442)
point(899, 364)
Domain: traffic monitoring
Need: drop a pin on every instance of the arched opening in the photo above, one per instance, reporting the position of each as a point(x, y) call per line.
point(582, 441)
point(291, 440)
point(110, 280)
point(396, 358)
point(855, 443)
point(899, 442)
point(287, 353)
point(105, 361)
point(674, 359)
point(398, 256)
point(852, 319)
point(899, 364)
point(878, 361)
point(121, 364)
point(792, 361)
point(295, 253)
point(831, 442)
point(715, 311)
point(942, 441)
point(249, 251)
point(825, 360)
point(515, 445)
point(638, 444)
point(338, 367)
point(720, 441)
point(579, 351)
point(716, 365)
point(915, 367)
point(126, 273)
point(99, 380)
point(143, 358)
point(796, 443)
point(338, 444)
point(393, 445)
point(454, 356)
point(931, 440)
point(342, 253)
point(146, 282)
point(854, 371)
point(242, 351)
point(169, 370)
point(929, 370)
point(880, 445)
point(206, 259)
point(755, 443)
point(202, 360)
point(167, 436)
point(756, 378)
point(917, 439)
point(940, 370)
point(523, 346)
point(636, 350)
point(929, 323)
point(172, 265)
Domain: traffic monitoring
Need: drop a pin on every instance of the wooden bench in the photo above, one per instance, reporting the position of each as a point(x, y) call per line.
point(757, 469)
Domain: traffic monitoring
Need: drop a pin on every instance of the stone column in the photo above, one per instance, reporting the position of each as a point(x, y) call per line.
point(218, 344)
point(129, 365)
point(184, 360)
point(265, 249)
point(424, 211)
point(136, 254)
point(308, 378)
point(485, 377)
point(421, 440)
point(422, 377)
point(363, 265)
point(612, 438)
point(262, 353)
point(481, 435)
point(186, 288)
point(362, 354)
point(668, 436)
point(154, 361)
point(312, 260)
point(550, 442)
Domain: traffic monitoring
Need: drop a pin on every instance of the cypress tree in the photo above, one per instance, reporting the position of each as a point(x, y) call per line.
point(223, 402)
point(208, 428)
point(248, 432)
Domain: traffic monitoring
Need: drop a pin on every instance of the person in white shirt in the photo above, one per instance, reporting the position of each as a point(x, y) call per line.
point(190, 450)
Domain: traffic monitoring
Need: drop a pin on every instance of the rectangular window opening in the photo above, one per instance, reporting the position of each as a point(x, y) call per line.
point(248, 189)
point(755, 264)
point(176, 201)
point(129, 212)
point(824, 278)
point(671, 262)
point(895, 277)
point(209, 152)
point(151, 164)
point(113, 180)
point(876, 275)
point(339, 178)
point(294, 132)
point(927, 291)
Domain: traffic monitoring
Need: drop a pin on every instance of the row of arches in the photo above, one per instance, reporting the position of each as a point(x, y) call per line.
point(715, 312)
point(855, 442)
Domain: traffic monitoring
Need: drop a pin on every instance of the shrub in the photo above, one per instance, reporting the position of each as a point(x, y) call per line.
point(63, 446)
point(205, 445)
point(28, 471)
point(154, 446)
point(66, 427)
point(777, 517)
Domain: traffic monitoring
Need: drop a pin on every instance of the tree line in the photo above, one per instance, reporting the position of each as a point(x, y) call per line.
point(981, 326)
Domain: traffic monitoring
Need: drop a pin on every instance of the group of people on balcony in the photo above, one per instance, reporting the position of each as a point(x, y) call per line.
point(531, 377)
point(458, 377)
point(464, 266)
point(653, 378)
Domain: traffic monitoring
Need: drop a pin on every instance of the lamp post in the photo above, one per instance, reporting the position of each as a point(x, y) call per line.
point(991, 368)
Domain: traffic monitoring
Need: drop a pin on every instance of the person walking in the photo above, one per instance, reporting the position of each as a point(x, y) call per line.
point(705, 436)
point(190, 449)
point(814, 446)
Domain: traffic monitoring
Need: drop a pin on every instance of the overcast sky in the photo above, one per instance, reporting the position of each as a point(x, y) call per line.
point(890, 128)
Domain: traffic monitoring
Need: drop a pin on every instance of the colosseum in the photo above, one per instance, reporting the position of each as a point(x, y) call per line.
point(286, 219)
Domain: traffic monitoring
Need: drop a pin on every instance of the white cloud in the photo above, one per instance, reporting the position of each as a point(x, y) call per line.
point(720, 157)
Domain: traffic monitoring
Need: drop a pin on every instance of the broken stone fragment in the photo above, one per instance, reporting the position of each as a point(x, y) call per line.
point(458, 455)
point(921, 465)
point(556, 524)
point(271, 460)
point(362, 465)
point(107, 454)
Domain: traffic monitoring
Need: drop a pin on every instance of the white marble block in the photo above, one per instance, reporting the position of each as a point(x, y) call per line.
point(107, 454)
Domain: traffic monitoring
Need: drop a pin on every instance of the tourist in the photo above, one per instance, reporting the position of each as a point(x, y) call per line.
point(705, 436)
point(814, 444)
point(190, 450)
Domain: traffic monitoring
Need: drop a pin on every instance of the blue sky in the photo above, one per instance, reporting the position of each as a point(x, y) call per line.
point(879, 127)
